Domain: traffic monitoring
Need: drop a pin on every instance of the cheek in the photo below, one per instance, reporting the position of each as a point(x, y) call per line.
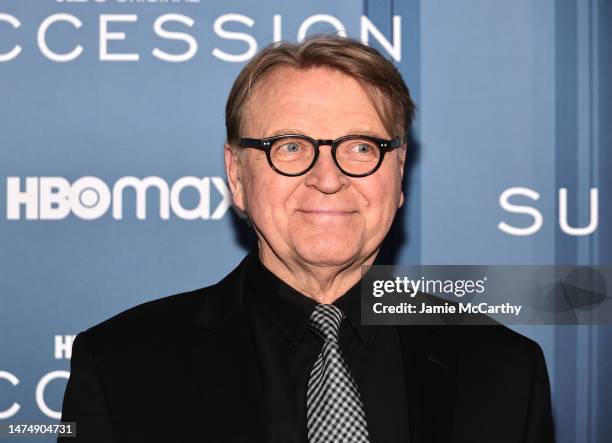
point(383, 197)
point(255, 185)
point(267, 197)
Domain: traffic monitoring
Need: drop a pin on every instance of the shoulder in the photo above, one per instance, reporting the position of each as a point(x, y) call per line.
point(151, 320)
point(171, 317)
point(471, 346)
point(478, 338)
point(490, 346)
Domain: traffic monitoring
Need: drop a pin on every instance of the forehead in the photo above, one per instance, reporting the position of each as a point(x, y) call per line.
point(319, 102)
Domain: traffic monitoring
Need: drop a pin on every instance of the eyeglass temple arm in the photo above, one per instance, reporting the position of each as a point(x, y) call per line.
point(401, 140)
point(251, 143)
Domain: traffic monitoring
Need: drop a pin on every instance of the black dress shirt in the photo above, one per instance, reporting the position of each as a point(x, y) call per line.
point(231, 362)
point(287, 349)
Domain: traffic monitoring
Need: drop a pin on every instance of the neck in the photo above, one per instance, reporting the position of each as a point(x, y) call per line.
point(323, 283)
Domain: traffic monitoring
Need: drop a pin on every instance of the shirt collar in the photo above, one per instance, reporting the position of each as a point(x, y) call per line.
point(290, 310)
point(350, 304)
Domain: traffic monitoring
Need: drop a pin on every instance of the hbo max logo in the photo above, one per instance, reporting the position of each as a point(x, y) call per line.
point(89, 198)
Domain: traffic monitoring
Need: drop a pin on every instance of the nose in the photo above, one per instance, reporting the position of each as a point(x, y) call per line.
point(325, 175)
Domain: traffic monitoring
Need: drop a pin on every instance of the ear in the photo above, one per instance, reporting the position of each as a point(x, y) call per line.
point(233, 167)
point(401, 157)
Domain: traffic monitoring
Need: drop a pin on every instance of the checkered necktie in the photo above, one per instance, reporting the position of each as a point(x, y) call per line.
point(334, 408)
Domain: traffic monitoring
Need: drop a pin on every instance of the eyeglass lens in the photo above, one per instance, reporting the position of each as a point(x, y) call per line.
point(293, 155)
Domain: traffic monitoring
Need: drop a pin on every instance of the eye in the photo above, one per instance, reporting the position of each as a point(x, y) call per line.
point(362, 148)
point(290, 147)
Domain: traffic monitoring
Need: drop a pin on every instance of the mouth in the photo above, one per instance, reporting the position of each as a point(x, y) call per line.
point(327, 212)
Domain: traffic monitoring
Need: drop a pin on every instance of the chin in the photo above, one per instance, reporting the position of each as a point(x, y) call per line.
point(323, 253)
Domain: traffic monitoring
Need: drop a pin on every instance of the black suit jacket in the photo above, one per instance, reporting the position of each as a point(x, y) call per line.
point(182, 369)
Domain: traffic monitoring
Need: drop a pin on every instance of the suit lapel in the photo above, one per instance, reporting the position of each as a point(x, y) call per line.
point(222, 381)
point(222, 299)
point(430, 368)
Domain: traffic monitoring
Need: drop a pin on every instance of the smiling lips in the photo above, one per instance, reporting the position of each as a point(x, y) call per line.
point(327, 212)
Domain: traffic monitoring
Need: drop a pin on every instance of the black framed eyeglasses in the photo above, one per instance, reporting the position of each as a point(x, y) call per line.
point(296, 154)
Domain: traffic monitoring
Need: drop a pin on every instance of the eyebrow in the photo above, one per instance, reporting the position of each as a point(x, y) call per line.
point(353, 131)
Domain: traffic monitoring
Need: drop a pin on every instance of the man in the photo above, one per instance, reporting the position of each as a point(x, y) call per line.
point(276, 351)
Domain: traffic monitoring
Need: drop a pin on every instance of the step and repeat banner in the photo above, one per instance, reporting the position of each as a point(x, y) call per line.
point(113, 191)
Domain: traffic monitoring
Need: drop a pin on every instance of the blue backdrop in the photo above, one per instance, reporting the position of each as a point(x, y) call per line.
point(112, 183)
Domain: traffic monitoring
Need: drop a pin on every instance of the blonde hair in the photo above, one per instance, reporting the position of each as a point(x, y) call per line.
point(380, 79)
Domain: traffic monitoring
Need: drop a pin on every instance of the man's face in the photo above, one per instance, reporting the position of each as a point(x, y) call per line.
point(322, 218)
